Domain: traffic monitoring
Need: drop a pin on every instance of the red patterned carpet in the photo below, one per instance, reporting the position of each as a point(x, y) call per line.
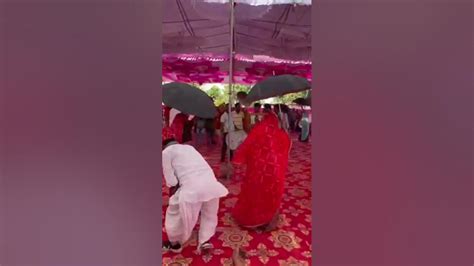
point(289, 245)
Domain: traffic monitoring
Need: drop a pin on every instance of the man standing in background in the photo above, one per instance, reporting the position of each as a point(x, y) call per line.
point(267, 108)
point(237, 117)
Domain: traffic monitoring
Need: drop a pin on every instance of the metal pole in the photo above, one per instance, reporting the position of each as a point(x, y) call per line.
point(231, 81)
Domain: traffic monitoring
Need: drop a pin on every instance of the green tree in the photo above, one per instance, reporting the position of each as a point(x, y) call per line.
point(222, 96)
point(237, 88)
point(289, 98)
point(216, 94)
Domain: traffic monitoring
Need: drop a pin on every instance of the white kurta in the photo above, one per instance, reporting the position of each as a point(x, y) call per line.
point(199, 192)
point(196, 178)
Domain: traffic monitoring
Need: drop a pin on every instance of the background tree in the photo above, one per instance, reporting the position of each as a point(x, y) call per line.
point(221, 96)
point(289, 98)
point(217, 95)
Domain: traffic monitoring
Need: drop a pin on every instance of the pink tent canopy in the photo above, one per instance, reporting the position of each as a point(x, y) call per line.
point(271, 37)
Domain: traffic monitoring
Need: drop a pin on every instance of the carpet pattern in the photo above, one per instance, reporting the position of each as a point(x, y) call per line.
point(289, 245)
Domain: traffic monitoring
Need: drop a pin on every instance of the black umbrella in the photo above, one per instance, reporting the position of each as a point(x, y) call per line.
point(304, 101)
point(189, 100)
point(277, 86)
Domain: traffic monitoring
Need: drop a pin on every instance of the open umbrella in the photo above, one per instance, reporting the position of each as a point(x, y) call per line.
point(189, 100)
point(277, 86)
point(304, 101)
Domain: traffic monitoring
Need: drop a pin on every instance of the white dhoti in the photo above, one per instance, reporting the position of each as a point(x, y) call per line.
point(182, 218)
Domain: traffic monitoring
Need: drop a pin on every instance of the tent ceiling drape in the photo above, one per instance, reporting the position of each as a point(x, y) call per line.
point(264, 2)
point(271, 36)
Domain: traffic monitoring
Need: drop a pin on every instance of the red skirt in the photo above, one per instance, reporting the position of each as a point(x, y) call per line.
point(260, 197)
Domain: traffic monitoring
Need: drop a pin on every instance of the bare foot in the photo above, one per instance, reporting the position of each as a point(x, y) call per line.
point(243, 254)
point(270, 227)
point(238, 258)
point(273, 225)
point(205, 249)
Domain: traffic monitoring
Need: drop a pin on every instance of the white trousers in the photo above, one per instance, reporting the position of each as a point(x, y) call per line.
point(181, 219)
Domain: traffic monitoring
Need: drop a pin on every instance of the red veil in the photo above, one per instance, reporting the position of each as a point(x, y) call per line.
point(265, 152)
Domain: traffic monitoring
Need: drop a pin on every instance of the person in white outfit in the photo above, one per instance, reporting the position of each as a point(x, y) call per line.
point(195, 192)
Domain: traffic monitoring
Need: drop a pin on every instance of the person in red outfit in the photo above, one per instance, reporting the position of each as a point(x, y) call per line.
point(166, 115)
point(265, 151)
point(177, 126)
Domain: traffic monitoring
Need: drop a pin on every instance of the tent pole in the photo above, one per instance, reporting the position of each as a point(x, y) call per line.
point(231, 81)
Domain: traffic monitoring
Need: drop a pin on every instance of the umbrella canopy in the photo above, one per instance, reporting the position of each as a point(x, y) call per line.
point(277, 86)
point(304, 101)
point(189, 100)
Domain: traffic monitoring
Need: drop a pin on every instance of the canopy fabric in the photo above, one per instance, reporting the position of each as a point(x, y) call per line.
point(270, 37)
point(204, 70)
point(264, 2)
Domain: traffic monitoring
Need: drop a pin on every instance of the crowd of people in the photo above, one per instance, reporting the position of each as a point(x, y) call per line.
point(214, 131)
point(194, 189)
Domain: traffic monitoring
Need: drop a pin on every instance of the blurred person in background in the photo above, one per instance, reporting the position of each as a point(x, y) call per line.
point(166, 115)
point(177, 126)
point(188, 129)
point(282, 113)
point(236, 124)
point(210, 131)
point(247, 120)
point(292, 119)
point(267, 108)
point(200, 130)
point(305, 126)
point(257, 114)
point(225, 130)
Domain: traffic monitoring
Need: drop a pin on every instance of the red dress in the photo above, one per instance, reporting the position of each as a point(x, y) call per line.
point(166, 115)
point(177, 126)
point(265, 152)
